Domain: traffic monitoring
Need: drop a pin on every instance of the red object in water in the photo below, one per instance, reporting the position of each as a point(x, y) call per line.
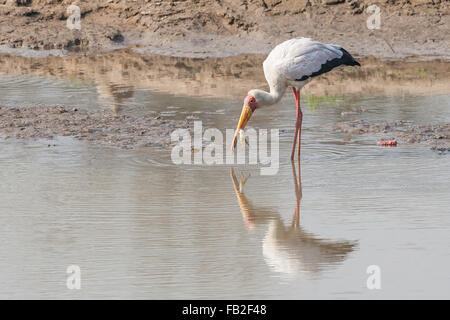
point(387, 143)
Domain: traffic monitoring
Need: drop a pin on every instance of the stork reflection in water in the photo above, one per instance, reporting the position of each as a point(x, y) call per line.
point(290, 249)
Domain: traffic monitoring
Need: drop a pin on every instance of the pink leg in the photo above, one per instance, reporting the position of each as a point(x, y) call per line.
point(298, 124)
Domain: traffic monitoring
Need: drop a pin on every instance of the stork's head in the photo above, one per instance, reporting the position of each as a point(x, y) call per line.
point(250, 101)
point(250, 105)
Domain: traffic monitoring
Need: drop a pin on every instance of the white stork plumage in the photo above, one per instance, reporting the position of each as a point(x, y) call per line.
point(292, 63)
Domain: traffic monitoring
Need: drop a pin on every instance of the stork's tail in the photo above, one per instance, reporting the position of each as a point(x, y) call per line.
point(347, 59)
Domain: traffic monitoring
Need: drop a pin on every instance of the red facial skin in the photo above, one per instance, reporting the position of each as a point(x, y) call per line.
point(251, 102)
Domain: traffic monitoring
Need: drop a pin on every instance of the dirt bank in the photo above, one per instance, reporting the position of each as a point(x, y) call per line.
point(437, 136)
point(104, 127)
point(225, 27)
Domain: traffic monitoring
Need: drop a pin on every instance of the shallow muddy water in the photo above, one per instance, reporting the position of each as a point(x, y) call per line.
point(139, 226)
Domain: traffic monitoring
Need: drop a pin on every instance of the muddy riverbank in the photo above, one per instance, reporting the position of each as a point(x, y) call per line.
point(211, 28)
point(436, 136)
point(129, 132)
point(101, 126)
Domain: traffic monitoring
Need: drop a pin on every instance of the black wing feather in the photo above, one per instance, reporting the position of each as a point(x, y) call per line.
point(346, 60)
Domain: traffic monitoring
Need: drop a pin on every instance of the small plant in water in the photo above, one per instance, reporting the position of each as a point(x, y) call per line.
point(315, 101)
point(421, 72)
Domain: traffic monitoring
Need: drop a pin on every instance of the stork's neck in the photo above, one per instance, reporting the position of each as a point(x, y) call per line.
point(265, 98)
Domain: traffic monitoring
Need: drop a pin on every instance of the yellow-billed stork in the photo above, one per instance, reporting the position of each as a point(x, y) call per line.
point(292, 63)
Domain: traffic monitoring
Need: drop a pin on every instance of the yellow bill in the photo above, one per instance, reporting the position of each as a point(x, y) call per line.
point(246, 114)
